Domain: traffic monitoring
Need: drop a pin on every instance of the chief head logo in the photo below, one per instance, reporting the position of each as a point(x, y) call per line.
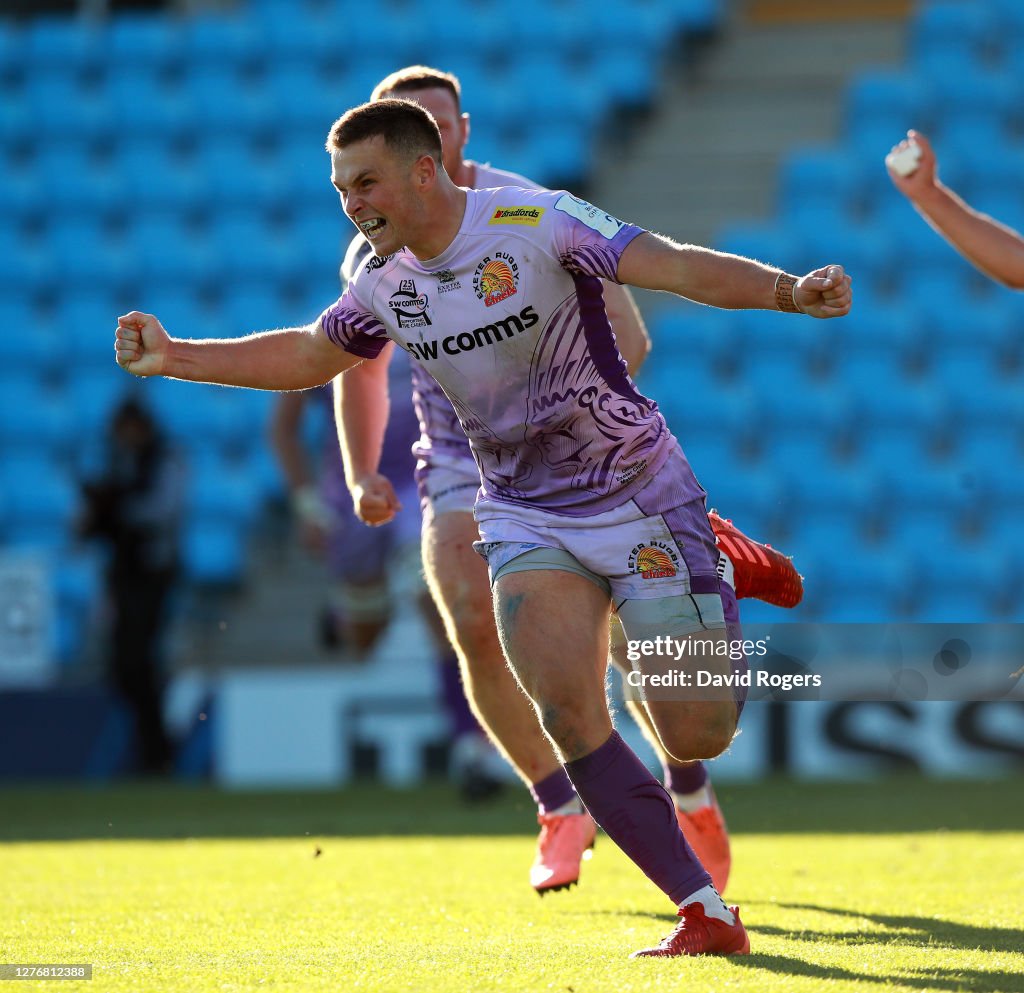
point(653, 561)
point(495, 281)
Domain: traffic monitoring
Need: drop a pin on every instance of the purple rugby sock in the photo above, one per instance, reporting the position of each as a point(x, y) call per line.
point(684, 778)
point(552, 791)
point(638, 815)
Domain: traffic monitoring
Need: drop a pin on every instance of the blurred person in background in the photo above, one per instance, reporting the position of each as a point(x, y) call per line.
point(136, 508)
point(992, 247)
point(448, 480)
point(361, 562)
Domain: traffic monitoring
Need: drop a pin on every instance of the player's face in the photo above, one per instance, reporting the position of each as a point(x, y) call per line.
point(454, 127)
point(377, 192)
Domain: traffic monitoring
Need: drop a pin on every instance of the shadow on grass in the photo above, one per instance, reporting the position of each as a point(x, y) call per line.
point(904, 931)
point(931, 932)
point(971, 980)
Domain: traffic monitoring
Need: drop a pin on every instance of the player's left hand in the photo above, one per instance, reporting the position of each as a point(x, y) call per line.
point(824, 293)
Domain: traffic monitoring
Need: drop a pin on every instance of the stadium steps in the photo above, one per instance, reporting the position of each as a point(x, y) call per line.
point(270, 622)
point(711, 152)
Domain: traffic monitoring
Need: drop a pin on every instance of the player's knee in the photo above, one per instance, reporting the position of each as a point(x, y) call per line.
point(568, 725)
point(471, 615)
point(703, 735)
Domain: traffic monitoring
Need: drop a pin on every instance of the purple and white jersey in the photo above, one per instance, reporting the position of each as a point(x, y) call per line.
point(442, 440)
point(510, 321)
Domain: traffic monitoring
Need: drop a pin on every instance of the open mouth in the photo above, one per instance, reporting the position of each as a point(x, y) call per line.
point(373, 226)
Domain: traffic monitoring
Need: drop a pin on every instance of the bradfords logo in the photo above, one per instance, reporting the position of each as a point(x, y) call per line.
point(655, 560)
point(409, 306)
point(529, 216)
point(496, 279)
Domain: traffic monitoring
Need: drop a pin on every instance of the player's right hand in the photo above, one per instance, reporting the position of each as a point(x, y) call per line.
point(375, 500)
point(140, 344)
point(924, 176)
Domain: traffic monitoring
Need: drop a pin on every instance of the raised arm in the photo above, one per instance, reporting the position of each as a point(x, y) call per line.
point(630, 331)
point(717, 279)
point(994, 248)
point(361, 409)
point(290, 359)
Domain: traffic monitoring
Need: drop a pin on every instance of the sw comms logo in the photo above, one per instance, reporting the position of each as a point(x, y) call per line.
point(496, 279)
point(409, 306)
point(654, 560)
point(529, 216)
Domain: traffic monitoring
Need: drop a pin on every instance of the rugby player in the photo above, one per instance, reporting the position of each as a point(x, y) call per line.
point(579, 473)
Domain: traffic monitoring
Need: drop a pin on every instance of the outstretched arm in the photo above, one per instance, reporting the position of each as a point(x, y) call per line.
point(717, 279)
point(290, 359)
point(361, 409)
point(994, 248)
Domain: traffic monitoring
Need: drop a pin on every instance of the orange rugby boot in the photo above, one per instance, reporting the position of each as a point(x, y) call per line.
point(698, 934)
point(707, 835)
point(565, 840)
point(759, 571)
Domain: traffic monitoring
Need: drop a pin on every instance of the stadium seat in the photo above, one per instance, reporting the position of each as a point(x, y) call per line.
point(65, 43)
point(943, 23)
point(40, 501)
point(151, 40)
point(226, 39)
point(893, 101)
point(214, 553)
point(34, 416)
point(827, 178)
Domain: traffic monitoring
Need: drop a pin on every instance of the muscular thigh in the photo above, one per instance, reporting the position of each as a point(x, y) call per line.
point(456, 574)
point(554, 630)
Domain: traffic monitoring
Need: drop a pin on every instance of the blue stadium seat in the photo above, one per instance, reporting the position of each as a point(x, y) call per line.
point(827, 178)
point(214, 552)
point(765, 242)
point(40, 501)
point(235, 40)
point(64, 43)
point(34, 417)
point(154, 41)
point(952, 24)
point(893, 101)
point(152, 109)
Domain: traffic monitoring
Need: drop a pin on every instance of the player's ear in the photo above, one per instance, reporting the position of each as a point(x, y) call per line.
point(464, 123)
point(424, 171)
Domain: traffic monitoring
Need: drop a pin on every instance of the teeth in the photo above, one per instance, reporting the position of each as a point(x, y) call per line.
point(372, 225)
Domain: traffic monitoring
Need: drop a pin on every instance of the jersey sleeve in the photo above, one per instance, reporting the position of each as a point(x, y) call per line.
point(351, 326)
point(358, 251)
point(588, 241)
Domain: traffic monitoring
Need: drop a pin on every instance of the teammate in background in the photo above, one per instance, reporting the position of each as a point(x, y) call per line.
point(359, 608)
point(992, 247)
point(362, 562)
point(580, 477)
point(448, 480)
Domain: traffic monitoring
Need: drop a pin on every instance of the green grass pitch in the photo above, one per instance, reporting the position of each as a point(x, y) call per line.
point(903, 885)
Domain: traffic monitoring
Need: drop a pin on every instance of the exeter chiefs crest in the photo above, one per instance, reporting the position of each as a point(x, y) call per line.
point(654, 560)
point(496, 279)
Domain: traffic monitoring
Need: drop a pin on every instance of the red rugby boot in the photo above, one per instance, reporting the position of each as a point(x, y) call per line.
point(698, 934)
point(759, 571)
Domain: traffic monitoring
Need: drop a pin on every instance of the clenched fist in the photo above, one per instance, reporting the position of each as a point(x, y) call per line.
point(141, 344)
